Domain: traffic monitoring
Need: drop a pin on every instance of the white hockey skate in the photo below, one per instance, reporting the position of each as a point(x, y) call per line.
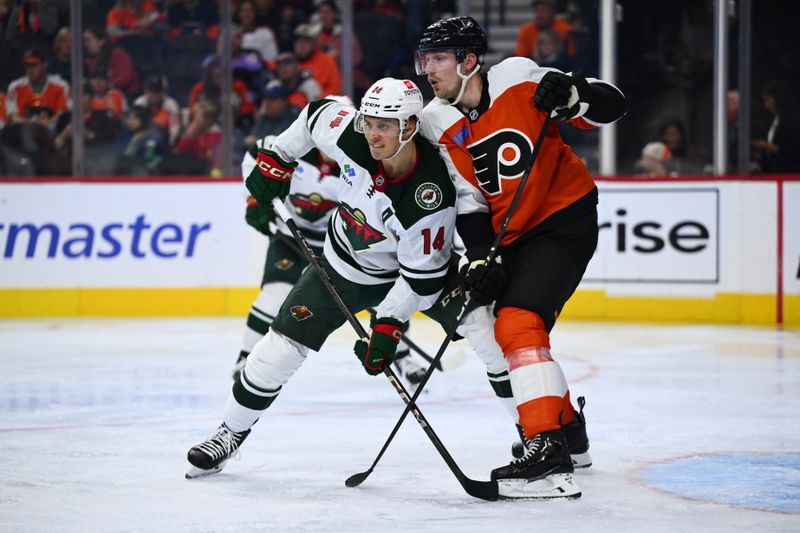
point(209, 457)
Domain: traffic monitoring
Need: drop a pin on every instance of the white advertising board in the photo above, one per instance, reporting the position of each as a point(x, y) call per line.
point(146, 234)
point(657, 235)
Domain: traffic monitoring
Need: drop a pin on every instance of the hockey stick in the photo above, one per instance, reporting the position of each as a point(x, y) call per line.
point(411, 344)
point(485, 490)
point(357, 479)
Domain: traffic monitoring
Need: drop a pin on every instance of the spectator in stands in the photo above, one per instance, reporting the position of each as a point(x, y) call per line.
point(99, 128)
point(164, 110)
point(655, 161)
point(106, 99)
point(248, 65)
point(302, 88)
point(684, 157)
point(133, 17)
point(284, 23)
point(203, 136)
point(326, 18)
point(544, 12)
point(550, 51)
point(267, 13)
point(59, 62)
point(321, 66)
point(277, 114)
point(193, 16)
point(32, 138)
point(210, 89)
point(779, 152)
point(31, 23)
point(100, 54)
point(36, 89)
point(143, 144)
point(255, 37)
point(580, 44)
point(3, 115)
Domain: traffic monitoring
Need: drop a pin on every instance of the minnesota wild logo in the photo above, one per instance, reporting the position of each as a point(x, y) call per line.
point(360, 234)
point(300, 312)
point(311, 207)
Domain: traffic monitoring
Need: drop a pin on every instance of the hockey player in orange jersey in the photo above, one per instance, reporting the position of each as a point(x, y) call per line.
point(486, 124)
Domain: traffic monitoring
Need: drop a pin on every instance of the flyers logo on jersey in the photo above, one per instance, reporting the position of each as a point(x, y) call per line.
point(311, 207)
point(360, 234)
point(500, 156)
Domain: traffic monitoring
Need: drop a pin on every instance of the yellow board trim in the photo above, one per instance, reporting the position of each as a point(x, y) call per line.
point(724, 308)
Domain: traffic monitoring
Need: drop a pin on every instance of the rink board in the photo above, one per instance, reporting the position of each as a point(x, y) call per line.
point(685, 250)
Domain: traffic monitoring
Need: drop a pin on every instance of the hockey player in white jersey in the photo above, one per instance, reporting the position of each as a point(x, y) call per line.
point(388, 246)
point(312, 199)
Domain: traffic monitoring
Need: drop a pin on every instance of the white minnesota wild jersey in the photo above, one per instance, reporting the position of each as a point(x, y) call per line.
point(383, 231)
point(313, 194)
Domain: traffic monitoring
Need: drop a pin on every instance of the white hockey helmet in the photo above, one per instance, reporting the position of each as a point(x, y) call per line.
point(391, 98)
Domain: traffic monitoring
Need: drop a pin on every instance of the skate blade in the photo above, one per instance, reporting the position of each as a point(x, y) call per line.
point(551, 487)
point(581, 460)
point(194, 472)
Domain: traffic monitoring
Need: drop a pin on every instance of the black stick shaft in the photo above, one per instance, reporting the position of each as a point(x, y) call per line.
point(486, 490)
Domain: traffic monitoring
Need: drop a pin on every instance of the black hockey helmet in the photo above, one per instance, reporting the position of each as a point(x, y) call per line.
point(461, 34)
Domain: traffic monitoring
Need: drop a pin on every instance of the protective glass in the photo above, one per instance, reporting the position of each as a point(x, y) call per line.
point(437, 59)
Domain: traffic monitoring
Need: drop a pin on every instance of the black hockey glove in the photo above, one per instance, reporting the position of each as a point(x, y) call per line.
point(483, 282)
point(561, 94)
point(259, 216)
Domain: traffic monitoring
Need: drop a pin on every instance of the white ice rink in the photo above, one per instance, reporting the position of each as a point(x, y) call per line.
point(691, 428)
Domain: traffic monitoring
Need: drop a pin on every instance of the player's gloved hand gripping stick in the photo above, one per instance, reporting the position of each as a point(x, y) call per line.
point(485, 490)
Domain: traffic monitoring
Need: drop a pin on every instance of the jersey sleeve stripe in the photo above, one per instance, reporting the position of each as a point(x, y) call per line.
point(314, 114)
point(412, 271)
point(426, 287)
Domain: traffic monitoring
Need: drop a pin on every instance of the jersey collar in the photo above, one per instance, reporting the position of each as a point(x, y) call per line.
point(381, 179)
point(476, 112)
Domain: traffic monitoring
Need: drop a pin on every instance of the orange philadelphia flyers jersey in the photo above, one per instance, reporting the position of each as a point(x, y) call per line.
point(490, 146)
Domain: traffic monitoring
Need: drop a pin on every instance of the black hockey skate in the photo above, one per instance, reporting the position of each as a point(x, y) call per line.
point(210, 456)
point(544, 472)
point(406, 368)
point(577, 440)
point(239, 364)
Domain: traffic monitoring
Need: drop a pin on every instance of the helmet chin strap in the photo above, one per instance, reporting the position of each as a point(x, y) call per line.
point(464, 80)
point(402, 142)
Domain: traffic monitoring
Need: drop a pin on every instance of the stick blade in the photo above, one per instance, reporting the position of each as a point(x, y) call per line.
point(357, 479)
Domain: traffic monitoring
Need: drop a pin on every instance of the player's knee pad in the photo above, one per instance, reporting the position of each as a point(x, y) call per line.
point(517, 328)
point(274, 360)
point(478, 329)
point(271, 297)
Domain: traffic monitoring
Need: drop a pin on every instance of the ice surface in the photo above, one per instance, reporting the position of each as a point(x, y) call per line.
point(96, 417)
